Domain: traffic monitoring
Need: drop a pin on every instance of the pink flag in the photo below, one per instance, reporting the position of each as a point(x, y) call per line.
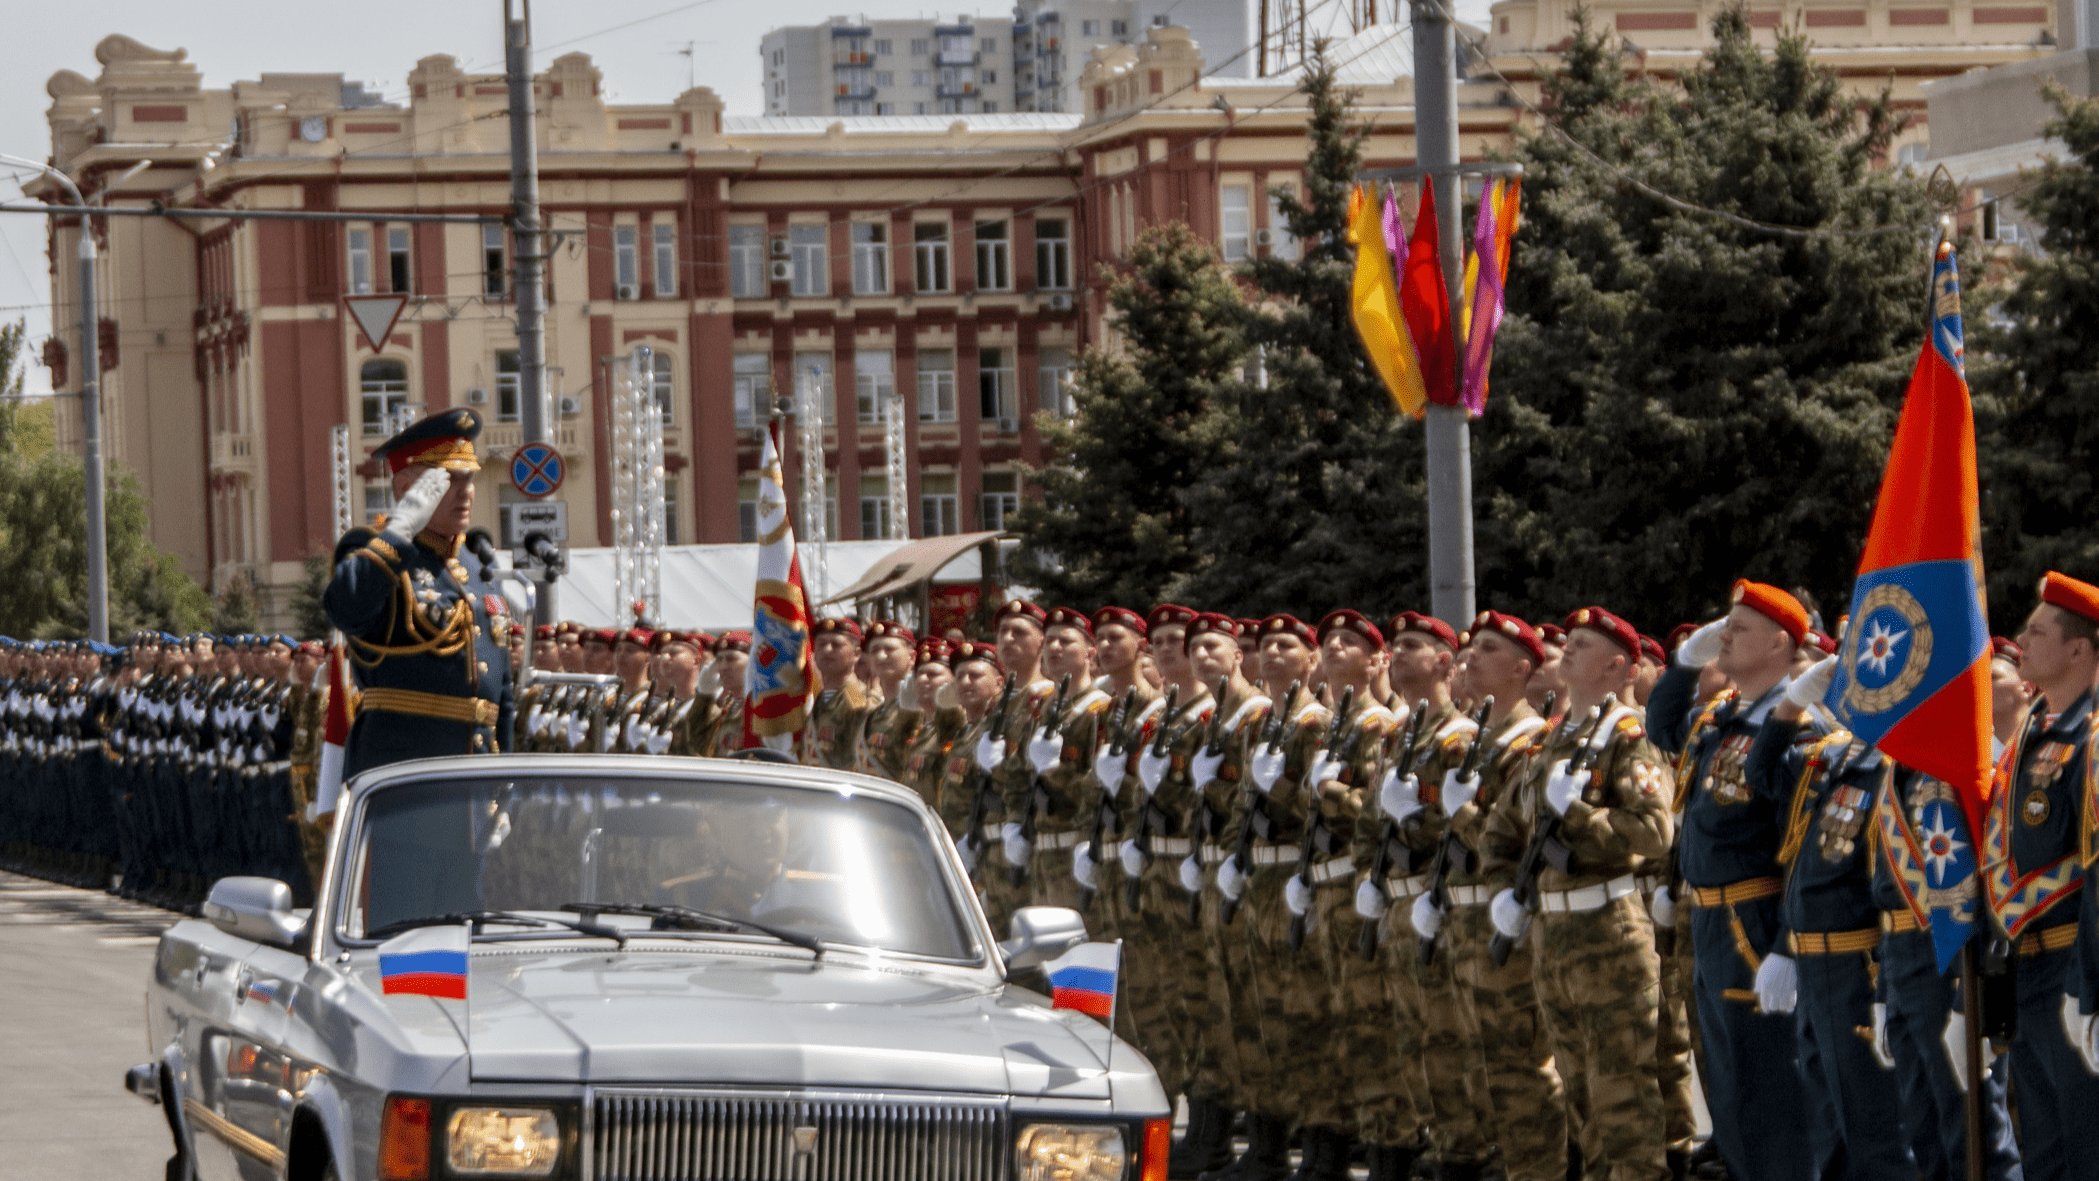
point(1483, 320)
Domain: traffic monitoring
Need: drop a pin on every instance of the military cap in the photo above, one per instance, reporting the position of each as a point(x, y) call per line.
point(1677, 636)
point(1428, 625)
point(1019, 609)
point(890, 629)
point(1820, 640)
point(836, 625)
point(969, 650)
point(1168, 614)
point(313, 648)
point(1781, 608)
point(545, 631)
point(1510, 628)
point(1122, 617)
point(2003, 649)
point(637, 636)
point(444, 440)
point(1066, 617)
point(1651, 649)
point(1350, 620)
point(1609, 626)
point(697, 641)
point(1552, 633)
point(2078, 598)
point(607, 636)
point(1210, 623)
point(568, 627)
point(733, 641)
point(1248, 625)
point(1281, 624)
point(932, 650)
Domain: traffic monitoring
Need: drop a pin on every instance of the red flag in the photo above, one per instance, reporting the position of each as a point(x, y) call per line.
point(328, 784)
point(1425, 302)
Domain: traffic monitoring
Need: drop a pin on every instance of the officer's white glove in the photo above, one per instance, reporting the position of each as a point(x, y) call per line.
point(1151, 770)
point(990, 752)
point(1663, 907)
point(1230, 881)
point(1777, 984)
point(2079, 1030)
point(1191, 874)
point(1458, 792)
point(1562, 787)
point(419, 503)
point(1700, 647)
point(1266, 767)
point(1297, 896)
point(1370, 901)
point(710, 684)
point(907, 695)
point(1110, 768)
point(1813, 685)
point(1084, 870)
point(1508, 914)
point(631, 731)
point(1321, 770)
point(1399, 796)
point(1132, 859)
point(1955, 1040)
point(1205, 766)
point(577, 728)
point(1426, 918)
point(1044, 749)
point(1881, 1051)
point(1017, 847)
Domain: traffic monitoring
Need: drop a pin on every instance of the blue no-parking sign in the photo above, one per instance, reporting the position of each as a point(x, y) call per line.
point(537, 470)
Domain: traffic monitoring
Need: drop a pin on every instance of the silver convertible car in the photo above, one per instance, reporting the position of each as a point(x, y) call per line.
point(663, 968)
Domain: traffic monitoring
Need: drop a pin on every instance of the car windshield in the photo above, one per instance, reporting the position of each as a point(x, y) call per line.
point(845, 868)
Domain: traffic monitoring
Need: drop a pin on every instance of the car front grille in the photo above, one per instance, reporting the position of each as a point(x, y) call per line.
point(682, 1135)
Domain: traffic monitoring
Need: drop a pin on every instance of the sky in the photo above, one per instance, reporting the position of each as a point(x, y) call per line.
point(640, 45)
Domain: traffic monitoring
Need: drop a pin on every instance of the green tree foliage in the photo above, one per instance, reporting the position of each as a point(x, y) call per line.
point(308, 616)
point(1112, 524)
point(2037, 378)
point(1680, 399)
point(233, 608)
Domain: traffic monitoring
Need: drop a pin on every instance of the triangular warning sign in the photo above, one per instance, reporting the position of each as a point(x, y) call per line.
point(376, 315)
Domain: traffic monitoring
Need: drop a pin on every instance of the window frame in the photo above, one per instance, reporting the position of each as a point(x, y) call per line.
point(750, 400)
point(936, 399)
point(874, 382)
point(748, 276)
point(495, 262)
point(1235, 245)
point(663, 241)
point(932, 259)
point(870, 258)
point(389, 398)
point(809, 249)
point(994, 254)
point(1053, 255)
point(360, 276)
point(508, 385)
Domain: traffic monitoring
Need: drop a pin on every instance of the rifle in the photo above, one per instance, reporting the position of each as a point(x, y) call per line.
point(1038, 796)
point(1545, 846)
point(1314, 826)
point(1450, 851)
point(1133, 890)
point(1271, 736)
point(979, 780)
point(1104, 803)
point(1207, 819)
point(1388, 832)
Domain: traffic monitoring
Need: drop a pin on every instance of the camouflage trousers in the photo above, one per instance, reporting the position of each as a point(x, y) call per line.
point(1218, 999)
point(1050, 882)
point(1451, 1094)
point(994, 879)
point(1599, 990)
point(1676, 1038)
point(1274, 1003)
point(1383, 1083)
point(1307, 1080)
point(1498, 1009)
point(1156, 951)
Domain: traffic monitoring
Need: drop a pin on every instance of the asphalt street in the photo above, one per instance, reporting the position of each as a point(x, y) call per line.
point(73, 967)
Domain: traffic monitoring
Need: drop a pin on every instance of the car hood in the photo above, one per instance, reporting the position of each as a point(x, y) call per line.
point(760, 1019)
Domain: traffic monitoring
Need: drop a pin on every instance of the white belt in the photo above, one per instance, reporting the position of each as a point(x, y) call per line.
point(1648, 883)
point(1214, 853)
point(1276, 854)
point(1588, 897)
point(1398, 887)
point(1472, 895)
point(1059, 840)
point(1107, 853)
point(1333, 869)
point(1172, 846)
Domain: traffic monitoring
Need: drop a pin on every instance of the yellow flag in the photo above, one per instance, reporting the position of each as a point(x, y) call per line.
point(1374, 305)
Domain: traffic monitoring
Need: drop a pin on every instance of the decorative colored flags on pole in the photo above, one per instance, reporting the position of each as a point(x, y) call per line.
point(1486, 273)
point(779, 675)
point(1425, 301)
point(1084, 979)
point(1913, 674)
point(1374, 305)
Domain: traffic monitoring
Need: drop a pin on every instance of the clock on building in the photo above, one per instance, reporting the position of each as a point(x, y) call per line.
point(313, 128)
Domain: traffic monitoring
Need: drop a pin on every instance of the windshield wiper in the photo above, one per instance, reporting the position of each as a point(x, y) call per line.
point(667, 916)
point(481, 918)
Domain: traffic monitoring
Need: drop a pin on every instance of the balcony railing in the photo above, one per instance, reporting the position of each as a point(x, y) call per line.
point(955, 57)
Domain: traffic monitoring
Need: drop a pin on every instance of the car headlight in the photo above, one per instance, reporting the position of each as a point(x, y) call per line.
point(504, 1141)
point(1070, 1152)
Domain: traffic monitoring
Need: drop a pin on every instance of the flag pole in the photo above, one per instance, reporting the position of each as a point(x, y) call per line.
point(1971, 1010)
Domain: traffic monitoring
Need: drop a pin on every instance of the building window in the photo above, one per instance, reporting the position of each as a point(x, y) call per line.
point(874, 381)
point(506, 385)
point(812, 372)
point(663, 384)
point(870, 258)
point(988, 45)
point(929, 256)
point(885, 108)
point(921, 78)
point(1089, 28)
point(747, 262)
point(747, 510)
point(670, 509)
point(811, 273)
point(360, 262)
point(874, 508)
point(882, 48)
point(626, 264)
point(1052, 253)
point(494, 265)
point(1281, 242)
point(754, 383)
point(1053, 382)
point(378, 499)
point(918, 108)
point(1001, 498)
point(397, 276)
point(1118, 28)
point(991, 108)
point(382, 387)
point(1235, 224)
point(885, 77)
point(987, 77)
point(936, 386)
point(995, 389)
point(936, 505)
point(994, 257)
point(666, 262)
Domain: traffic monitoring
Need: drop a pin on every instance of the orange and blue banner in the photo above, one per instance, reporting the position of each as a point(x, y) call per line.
point(1084, 979)
point(779, 676)
point(1913, 672)
point(429, 961)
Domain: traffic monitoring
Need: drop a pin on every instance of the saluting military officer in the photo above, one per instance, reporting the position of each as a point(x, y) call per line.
point(887, 730)
point(832, 738)
point(418, 623)
point(937, 724)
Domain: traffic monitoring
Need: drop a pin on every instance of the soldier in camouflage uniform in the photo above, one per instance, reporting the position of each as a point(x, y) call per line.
point(1018, 625)
point(832, 735)
point(934, 726)
point(715, 726)
point(1044, 811)
point(889, 726)
point(1118, 651)
point(976, 687)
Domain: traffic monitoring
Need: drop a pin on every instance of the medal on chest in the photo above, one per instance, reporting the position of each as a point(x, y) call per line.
point(1837, 829)
point(1725, 776)
point(2047, 764)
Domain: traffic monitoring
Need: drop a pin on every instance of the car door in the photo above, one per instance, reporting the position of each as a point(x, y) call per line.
point(261, 1075)
point(197, 975)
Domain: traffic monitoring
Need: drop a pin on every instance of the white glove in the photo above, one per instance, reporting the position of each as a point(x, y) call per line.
point(419, 503)
point(631, 731)
point(1110, 769)
point(1230, 882)
point(1266, 767)
point(1955, 1040)
point(1191, 874)
point(1777, 984)
point(1563, 788)
point(710, 683)
point(536, 721)
point(1813, 685)
point(1151, 770)
point(1508, 914)
point(1044, 750)
point(577, 728)
point(1370, 901)
point(968, 849)
point(1700, 647)
point(1663, 907)
point(1321, 770)
point(1017, 847)
point(1426, 918)
point(1132, 859)
point(2081, 1030)
point(1206, 765)
point(906, 695)
point(1458, 792)
point(1084, 869)
point(1399, 797)
point(1297, 896)
point(659, 742)
point(990, 752)
point(1881, 1051)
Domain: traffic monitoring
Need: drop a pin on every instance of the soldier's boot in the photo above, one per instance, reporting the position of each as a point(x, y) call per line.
point(1574, 1161)
point(1679, 1165)
point(1457, 1170)
point(1325, 1155)
point(1389, 1162)
point(1207, 1144)
point(1706, 1162)
point(1267, 1155)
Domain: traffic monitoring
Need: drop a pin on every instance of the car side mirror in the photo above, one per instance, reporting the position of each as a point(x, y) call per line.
point(254, 908)
point(1041, 934)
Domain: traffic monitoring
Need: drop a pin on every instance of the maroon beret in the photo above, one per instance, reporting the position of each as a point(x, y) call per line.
point(1351, 620)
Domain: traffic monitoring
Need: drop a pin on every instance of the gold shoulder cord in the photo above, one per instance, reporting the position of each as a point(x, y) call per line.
point(448, 640)
point(1687, 758)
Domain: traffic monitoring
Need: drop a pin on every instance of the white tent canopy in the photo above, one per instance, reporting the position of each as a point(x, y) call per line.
point(710, 586)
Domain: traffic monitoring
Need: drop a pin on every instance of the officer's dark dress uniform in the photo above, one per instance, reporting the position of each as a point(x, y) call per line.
point(433, 678)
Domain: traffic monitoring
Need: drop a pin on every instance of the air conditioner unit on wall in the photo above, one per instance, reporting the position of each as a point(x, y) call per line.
point(780, 248)
point(571, 405)
point(1009, 426)
point(626, 291)
point(476, 396)
point(1264, 237)
point(1060, 302)
point(783, 272)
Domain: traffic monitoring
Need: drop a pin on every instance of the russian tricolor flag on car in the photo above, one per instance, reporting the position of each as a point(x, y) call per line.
point(429, 961)
point(1084, 979)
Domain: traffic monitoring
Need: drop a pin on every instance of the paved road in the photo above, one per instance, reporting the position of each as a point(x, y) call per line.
point(73, 967)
